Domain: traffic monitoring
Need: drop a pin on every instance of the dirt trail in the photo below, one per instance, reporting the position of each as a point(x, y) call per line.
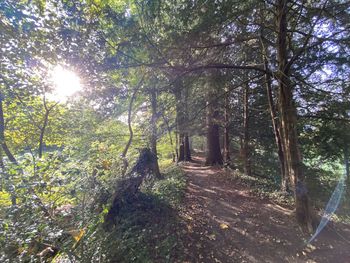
point(226, 223)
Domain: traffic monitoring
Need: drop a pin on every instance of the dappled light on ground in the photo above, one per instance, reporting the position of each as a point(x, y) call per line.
point(227, 223)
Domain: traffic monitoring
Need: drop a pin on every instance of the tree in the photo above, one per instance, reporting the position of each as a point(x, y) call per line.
point(226, 144)
point(4, 146)
point(214, 156)
point(181, 94)
point(153, 138)
point(245, 146)
point(288, 117)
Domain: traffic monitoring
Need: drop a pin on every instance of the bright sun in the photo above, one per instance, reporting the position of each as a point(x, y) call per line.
point(65, 83)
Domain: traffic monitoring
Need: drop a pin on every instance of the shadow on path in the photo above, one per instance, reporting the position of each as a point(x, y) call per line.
point(226, 223)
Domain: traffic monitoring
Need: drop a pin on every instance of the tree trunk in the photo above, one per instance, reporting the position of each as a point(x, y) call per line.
point(173, 149)
point(4, 146)
point(227, 157)
point(187, 148)
point(176, 144)
point(7, 151)
point(347, 169)
point(214, 156)
point(177, 123)
point(154, 132)
point(131, 133)
point(246, 148)
point(275, 124)
point(183, 150)
point(288, 115)
point(127, 188)
point(42, 133)
point(2, 171)
point(43, 128)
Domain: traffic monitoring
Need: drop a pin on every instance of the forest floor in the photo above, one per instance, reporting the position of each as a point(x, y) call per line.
point(226, 223)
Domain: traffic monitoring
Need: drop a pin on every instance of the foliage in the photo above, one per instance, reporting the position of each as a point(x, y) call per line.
point(60, 160)
point(146, 229)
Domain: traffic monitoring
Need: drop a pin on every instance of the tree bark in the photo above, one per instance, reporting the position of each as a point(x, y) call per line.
point(187, 148)
point(246, 148)
point(176, 143)
point(183, 150)
point(131, 133)
point(127, 188)
point(214, 156)
point(288, 115)
point(275, 123)
point(153, 141)
point(227, 157)
point(347, 168)
point(177, 95)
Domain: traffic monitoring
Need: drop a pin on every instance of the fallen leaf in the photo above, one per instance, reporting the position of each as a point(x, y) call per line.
point(212, 237)
point(223, 226)
point(310, 248)
point(77, 234)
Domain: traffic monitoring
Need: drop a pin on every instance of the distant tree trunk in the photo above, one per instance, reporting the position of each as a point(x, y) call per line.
point(246, 149)
point(42, 133)
point(288, 115)
point(173, 149)
point(153, 141)
point(43, 127)
point(181, 149)
point(2, 166)
point(347, 169)
point(7, 151)
point(184, 148)
point(187, 148)
point(131, 133)
point(176, 144)
point(11, 157)
point(2, 171)
point(184, 151)
point(177, 123)
point(275, 124)
point(346, 157)
point(227, 157)
point(214, 156)
point(4, 146)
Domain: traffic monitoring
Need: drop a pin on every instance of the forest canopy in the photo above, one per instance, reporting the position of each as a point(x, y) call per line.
point(102, 103)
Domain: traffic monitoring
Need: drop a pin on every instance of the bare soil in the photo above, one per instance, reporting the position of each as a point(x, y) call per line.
point(225, 222)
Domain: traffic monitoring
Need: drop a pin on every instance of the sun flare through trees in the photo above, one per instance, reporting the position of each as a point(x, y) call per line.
point(174, 131)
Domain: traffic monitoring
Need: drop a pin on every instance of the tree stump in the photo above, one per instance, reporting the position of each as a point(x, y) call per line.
point(127, 188)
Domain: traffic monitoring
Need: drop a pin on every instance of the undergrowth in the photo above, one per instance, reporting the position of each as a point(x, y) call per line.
point(264, 187)
point(147, 227)
point(268, 187)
